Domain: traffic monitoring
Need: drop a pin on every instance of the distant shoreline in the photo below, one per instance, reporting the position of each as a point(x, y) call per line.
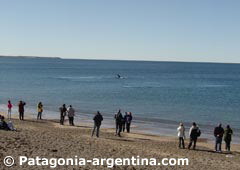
point(123, 60)
point(28, 57)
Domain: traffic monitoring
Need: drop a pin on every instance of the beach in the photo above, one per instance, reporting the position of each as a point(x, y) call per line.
point(48, 139)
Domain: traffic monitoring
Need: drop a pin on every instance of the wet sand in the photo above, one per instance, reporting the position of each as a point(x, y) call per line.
point(48, 139)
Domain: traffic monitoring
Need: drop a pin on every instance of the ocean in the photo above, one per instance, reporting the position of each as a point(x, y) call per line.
point(159, 94)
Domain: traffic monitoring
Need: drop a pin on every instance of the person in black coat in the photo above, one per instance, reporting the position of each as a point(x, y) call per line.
point(228, 137)
point(194, 133)
point(97, 123)
point(218, 133)
point(128, 120)
point(63, 112)
point(118, 121)
point(124, 122)
point(21, 105)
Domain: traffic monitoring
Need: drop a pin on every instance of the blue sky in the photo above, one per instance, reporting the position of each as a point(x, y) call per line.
point(165, 30)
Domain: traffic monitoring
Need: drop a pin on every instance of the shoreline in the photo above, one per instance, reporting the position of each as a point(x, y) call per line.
point(164, 128)
point(111, 128)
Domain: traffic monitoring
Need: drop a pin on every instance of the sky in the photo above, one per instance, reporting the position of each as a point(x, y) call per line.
point(161, 30)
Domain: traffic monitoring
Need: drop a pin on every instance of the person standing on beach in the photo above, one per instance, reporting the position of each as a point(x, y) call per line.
point(218, 133)
point(71, 114)
point(194, 133)
point(63, 111)
point(181, 135)
point(228, 137)
point(118, 121)
point(124, 122)
point(40, 110)
point(21, 105)
point(97, 123)
point(9, 105)
point(128, 120)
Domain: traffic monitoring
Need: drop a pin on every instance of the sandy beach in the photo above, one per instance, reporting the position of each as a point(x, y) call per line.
point(48, 139)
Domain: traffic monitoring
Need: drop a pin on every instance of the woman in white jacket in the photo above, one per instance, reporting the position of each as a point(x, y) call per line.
point(181, 135)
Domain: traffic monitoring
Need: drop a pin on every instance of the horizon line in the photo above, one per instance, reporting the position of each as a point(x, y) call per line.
point(104, 59)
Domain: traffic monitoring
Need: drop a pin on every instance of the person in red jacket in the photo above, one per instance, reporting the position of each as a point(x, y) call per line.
point(9, 105)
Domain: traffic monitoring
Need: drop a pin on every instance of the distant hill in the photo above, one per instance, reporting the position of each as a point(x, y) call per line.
point(29, 57)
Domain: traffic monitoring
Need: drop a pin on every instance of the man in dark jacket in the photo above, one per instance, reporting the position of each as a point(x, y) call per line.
point(97, 123)
point(128, 120)
point(63, 113)
point(118, 120)
point(194, 133)
point(218, 133)
point(21, 110)
point(124, 122)
point(228, 137)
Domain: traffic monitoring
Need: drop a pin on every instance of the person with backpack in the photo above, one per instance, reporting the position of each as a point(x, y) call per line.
point(228, 137)
point(128, 120)
point(21, 105)
point(63, 111)
point(97, 123)
point(9, 106)
point(71, 114)
point(181, 135)
point(194, 133)
point(118, 121)
point(218, 133)
point(40, 110)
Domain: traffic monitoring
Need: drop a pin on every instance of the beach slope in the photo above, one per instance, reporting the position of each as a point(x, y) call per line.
point(50, 140)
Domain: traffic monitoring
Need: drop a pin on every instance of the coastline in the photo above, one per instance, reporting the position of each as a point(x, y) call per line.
point(164, 128)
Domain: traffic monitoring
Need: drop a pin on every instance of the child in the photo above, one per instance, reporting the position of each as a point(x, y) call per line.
point(9, 105)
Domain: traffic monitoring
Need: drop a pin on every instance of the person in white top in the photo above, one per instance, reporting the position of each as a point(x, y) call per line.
point(181, 135)
point(71, 114)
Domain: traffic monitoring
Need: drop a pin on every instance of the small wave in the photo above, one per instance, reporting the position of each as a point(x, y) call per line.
point(123, 77)
point(213, 86)
point(126, 86)
point(80, 78)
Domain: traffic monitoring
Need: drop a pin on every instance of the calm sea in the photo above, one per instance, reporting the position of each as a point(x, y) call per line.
point(159, 94)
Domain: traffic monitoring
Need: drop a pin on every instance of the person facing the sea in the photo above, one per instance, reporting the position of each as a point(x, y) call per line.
point(181, 135)
point(63, 111)
point(71, 114)
point(40, 110)
point(194, 133)
point(97, 123)
point(118, 121)
point(128, 120)
point(228, 137)
point(124, 122)
point(9, 106)
point(218, 133)
point(21, 105)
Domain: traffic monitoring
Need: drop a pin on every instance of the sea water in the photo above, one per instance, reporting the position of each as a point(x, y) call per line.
point(159, 94)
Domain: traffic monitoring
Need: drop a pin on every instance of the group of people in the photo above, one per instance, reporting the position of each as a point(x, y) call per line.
point(122, 122)
point(67, 111)
point(21, 110)
point(195, 132)
point(21, 105)
point(225, 134)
